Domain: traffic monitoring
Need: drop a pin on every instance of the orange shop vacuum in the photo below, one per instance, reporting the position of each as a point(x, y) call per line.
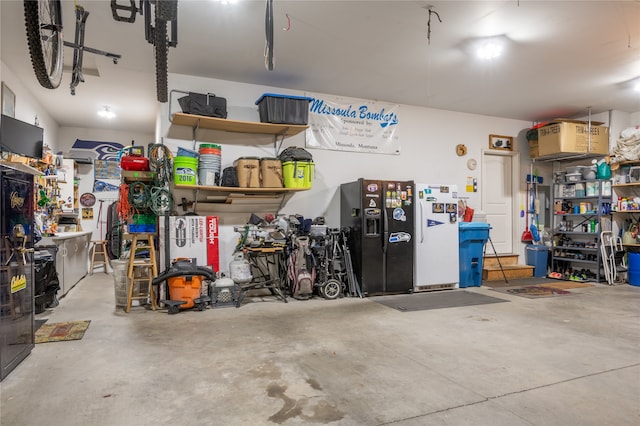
point(184, 281)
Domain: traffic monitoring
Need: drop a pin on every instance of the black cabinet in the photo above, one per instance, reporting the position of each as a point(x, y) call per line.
point(16, 268)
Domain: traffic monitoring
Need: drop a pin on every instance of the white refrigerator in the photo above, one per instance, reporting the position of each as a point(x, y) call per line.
point(436, 264)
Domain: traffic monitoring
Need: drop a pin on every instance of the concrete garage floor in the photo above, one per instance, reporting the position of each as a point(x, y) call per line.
point(567, 360)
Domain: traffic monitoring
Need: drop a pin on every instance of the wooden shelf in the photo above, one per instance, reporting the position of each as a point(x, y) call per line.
point(626, 211)
point(233, 189)
point(234, 126)
point(221, 199)
point(628, 185)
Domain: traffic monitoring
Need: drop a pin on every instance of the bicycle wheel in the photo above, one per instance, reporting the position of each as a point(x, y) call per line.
point(161, 45)
point(167, 10)
point(43, 20)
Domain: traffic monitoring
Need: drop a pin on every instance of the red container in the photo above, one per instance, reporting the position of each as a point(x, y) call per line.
point(132, 162)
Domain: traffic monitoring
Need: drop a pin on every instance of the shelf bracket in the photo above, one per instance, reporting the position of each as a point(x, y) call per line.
point(277, 146)
point(194, 131)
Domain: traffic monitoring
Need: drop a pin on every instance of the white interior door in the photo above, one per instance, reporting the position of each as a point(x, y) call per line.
point(498, 198)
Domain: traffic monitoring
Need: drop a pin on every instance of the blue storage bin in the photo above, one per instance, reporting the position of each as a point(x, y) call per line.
point(634, 268)
point(146, 228)
point(537, 257)
point(472, 238)
point(283, 109)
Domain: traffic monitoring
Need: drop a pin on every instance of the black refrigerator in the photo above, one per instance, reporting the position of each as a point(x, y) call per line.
point(380, 216)
point(16, 267)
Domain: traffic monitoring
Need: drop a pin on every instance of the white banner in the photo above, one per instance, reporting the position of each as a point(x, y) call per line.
point(353, 125)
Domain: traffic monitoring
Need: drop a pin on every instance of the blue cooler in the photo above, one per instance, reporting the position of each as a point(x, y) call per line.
point(472, 238)
point(536, 256)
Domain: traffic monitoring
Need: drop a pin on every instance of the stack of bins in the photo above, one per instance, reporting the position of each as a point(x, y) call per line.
point(472, 238)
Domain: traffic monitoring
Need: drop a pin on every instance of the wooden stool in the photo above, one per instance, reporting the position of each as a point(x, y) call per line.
point(147, 264)
point(98, 248)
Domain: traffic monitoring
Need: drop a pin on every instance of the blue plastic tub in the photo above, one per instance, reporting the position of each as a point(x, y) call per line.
point(536, 256)
point(472, 238)
point(634, 269)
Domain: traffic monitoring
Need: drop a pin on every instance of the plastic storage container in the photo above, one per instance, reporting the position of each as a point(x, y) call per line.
point(536, 256)
point(283, 109)
point(472, 238)
point(634, 268)
point(297, 174)
point(184, 170)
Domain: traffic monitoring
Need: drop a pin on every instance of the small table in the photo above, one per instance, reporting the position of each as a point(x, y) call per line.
point(269, 271)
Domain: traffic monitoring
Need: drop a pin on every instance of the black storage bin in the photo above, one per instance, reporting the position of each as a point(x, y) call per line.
point(283, 109)
point(46, 283)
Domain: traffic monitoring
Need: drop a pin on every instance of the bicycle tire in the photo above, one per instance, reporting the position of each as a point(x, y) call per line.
point(43, 22)
point(167, 10)
point(161, 45)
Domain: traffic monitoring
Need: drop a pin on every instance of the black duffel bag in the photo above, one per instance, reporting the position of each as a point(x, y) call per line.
point(208, 105)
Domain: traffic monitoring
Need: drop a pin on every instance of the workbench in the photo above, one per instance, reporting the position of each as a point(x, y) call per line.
point(268, 266)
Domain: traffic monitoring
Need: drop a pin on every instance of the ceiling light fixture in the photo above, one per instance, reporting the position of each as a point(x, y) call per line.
point(106, 112)
point(489, 50)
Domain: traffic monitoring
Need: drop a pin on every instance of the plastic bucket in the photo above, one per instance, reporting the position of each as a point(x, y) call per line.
point(184, 170)
point(634, 269)
point(209, 164)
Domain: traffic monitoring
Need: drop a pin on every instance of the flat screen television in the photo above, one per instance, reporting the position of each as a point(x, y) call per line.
point(20, 138)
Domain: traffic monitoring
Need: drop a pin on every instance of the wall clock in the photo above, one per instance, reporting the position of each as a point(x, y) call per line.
point(472, 164)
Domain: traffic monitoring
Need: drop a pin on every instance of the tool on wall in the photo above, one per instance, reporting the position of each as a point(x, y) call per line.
point(527, 237)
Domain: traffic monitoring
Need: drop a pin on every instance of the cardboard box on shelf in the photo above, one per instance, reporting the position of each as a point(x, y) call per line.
point(572, 136)
point(191, 237)
point(534, 151)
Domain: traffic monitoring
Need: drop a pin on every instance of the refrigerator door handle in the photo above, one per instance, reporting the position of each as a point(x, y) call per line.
point(385, 234)
point(421, 225)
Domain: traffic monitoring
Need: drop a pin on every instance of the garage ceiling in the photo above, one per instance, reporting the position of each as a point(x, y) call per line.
point(560, 57)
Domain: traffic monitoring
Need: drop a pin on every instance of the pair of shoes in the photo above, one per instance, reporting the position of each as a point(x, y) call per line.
point(555, 275)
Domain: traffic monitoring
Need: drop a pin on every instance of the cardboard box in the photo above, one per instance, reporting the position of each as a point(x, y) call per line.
point(571, 136)
point(534, 152)
point(192, 237)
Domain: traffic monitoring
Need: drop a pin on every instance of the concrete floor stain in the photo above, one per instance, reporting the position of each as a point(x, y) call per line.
point(314, 384)
point(323, 412)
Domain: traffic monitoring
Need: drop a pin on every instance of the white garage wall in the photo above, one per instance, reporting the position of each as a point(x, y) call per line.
point(428, 139)
point(27, 107)
point(68, 136)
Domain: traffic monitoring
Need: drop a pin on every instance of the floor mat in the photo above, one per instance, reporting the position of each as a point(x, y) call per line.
point(519, 282)
point(61, 331)
point(564, 285)
point(435, 300)
point(38, 323)
point(533, 291)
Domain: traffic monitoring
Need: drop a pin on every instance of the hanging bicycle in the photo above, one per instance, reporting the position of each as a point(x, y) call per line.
point(43, 21)
point(156, 32)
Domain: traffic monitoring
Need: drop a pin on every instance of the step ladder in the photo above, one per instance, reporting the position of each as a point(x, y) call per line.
point(141, 271)
point(99, 249)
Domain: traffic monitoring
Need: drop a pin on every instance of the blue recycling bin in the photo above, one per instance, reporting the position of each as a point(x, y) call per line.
point(536, 256)
point(472, 238)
